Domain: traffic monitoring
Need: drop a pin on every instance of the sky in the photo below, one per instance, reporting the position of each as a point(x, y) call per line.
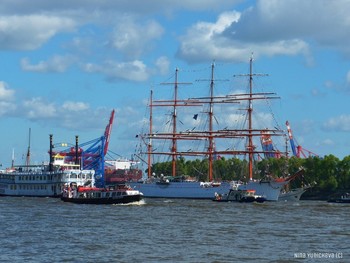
point(66, 64)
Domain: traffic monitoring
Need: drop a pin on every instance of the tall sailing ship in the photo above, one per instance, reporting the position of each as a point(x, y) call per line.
point(173, 187)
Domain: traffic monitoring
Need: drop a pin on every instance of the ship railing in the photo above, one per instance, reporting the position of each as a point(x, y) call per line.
point(235, 184)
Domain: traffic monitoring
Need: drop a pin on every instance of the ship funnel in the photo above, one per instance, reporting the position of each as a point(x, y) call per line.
point(51, 155)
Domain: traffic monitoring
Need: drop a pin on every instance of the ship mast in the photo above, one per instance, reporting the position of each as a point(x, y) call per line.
point(149, 147)
point(174, 142)
point(211, 141)
point(174, 103)
point(250, 112)
point(251, 132)
point(211, 100)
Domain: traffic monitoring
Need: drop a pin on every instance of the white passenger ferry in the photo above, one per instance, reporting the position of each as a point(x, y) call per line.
point(41, 181)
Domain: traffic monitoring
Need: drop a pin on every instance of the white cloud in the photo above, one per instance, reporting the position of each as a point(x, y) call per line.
point(339, 123)
point(203, 42)
point(31, 31)
point(162, 64)
point(74, 106)
point(132, 71)
point(348, 78)
point(326, 142)
point(36, 108)
point(72, 115)
point(270, 28)
point(81, 117)
point(5, 92)
point(7, 107)
point(54, 64)
point(132, 33)
point(132, 38)
point(96, 7)
point(317, 93)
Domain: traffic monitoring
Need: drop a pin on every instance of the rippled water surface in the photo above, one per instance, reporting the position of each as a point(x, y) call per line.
point(161, 230)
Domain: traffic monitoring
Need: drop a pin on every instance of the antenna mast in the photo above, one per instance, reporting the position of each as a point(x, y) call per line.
point(28, 151)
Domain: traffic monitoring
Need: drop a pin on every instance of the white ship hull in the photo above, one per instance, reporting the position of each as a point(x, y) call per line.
point(195, 190)
point(269, 189)
point(293, 195)
point(188, 190)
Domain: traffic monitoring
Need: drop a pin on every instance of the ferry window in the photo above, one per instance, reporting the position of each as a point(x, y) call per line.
point(107, 195)
point(113, 194)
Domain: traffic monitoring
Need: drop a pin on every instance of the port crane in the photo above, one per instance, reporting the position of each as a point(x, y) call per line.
point(297, 150)
point(91, 154)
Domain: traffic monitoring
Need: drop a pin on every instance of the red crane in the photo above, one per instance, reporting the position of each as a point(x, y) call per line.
point(298, 150)
point(108, 132)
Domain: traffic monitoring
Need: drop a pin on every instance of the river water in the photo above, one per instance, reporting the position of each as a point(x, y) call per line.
point(161, 230)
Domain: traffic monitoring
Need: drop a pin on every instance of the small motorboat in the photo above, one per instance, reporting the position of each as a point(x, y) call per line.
point(345, 198)
point(242, 196)
point(119, 194)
